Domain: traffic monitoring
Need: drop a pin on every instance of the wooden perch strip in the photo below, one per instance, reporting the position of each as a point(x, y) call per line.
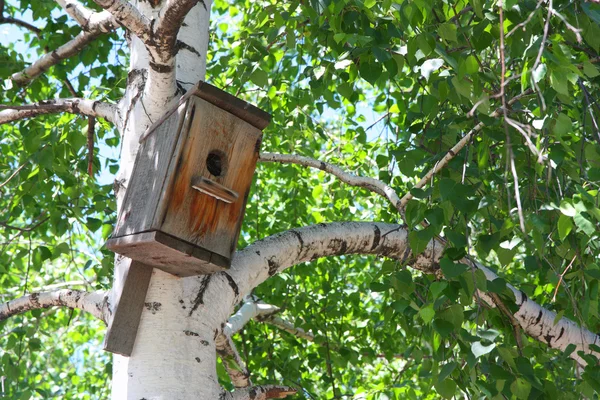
point(74, 105)
point(371, 184)
point(260, 393)
point(91, 302)
point(456, 149)
point(233, 363)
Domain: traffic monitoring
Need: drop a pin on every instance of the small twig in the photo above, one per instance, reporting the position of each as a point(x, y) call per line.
point(524, 23)
point(561, 278)
point(567, 24)
point(13, 175)
point(513, 321)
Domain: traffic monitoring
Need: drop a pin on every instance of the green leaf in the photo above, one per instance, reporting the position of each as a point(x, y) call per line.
point(419, 240)
point(259, 78)
point(452, 270)
point(427, 313)
point(430, 66)
point(584, 224)
point(446, 388)
point(520, 388)
point(447, 369)
point(479, 349)
point(565, 225)
point(447, 31)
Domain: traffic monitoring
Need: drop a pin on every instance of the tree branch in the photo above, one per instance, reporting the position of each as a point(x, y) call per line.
point(89, 20)
point(371, 184)
point(21, 23)
point(130, 17)
point(96, 27)
point(269, 256)
point(262, 312)
point(233, 363)
point(260, 393)
point(74, 106)
point(169, 22)
point(91, 302)
point(456, 149)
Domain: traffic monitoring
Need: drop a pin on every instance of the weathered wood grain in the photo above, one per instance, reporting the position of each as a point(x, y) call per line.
point(125, 319)
point(175, 256)
point(145, 189)
point(197, 217)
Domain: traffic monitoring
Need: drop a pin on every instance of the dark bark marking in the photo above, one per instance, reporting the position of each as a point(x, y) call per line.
point(523, 297)
point(203, 4)
point(322, 166)
point(273, 266)
point(232, 283)
point(153, 307)
point(200, 295)
point(339, 246)
point(180, 45)
point(163, 69)
point(376, 237)
point(204, 342)
point(451, 152)
point(190, 333)
point(198, 360)
point(257, 253)
point(548, 339)
point(299, 237)
point(216, 334)
point(539, 317)
point(562, 331)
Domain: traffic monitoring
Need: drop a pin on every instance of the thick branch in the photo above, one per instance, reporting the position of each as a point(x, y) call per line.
point(260, 393)
point(91, 302)
point(89, 20)
point(74, 106)
point(456, 149)
point(129, 16)
point(274, 254)
point(169, 22)
point(371, 184)
point(233, 363)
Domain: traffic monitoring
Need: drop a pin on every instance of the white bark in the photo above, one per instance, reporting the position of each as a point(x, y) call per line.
point(371, 184)
point(75, 106)
point(91, 302)
point(272, 255)
point(86, 18)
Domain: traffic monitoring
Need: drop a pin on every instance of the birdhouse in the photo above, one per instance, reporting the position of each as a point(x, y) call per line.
point(185, 202)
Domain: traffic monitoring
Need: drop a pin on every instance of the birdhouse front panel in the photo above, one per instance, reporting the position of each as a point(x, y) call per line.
point(186, 198)
point(212, 179)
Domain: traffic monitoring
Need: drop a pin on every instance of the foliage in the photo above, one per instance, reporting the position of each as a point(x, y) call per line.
point(384, 89)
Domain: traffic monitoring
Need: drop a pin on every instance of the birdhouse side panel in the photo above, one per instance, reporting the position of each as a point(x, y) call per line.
point(212, 178)
point(146, 186)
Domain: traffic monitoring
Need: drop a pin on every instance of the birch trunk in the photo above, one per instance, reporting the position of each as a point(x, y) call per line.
point(174, 355)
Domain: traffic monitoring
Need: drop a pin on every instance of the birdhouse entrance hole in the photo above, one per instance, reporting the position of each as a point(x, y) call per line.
point(215, 163)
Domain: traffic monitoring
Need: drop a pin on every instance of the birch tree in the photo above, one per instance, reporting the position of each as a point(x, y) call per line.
point(423, 222)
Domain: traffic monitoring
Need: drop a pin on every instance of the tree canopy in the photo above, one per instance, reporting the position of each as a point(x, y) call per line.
point(482, 117)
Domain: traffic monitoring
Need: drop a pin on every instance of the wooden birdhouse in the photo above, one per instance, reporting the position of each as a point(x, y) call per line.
point(185, 202)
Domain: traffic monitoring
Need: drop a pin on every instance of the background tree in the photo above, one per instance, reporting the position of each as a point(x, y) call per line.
point(468, 130)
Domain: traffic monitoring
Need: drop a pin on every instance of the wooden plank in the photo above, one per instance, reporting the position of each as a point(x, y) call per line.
point(144, 191)
point(199, 218)
point(238, 107)
point(168, 253)
point(127, 311)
